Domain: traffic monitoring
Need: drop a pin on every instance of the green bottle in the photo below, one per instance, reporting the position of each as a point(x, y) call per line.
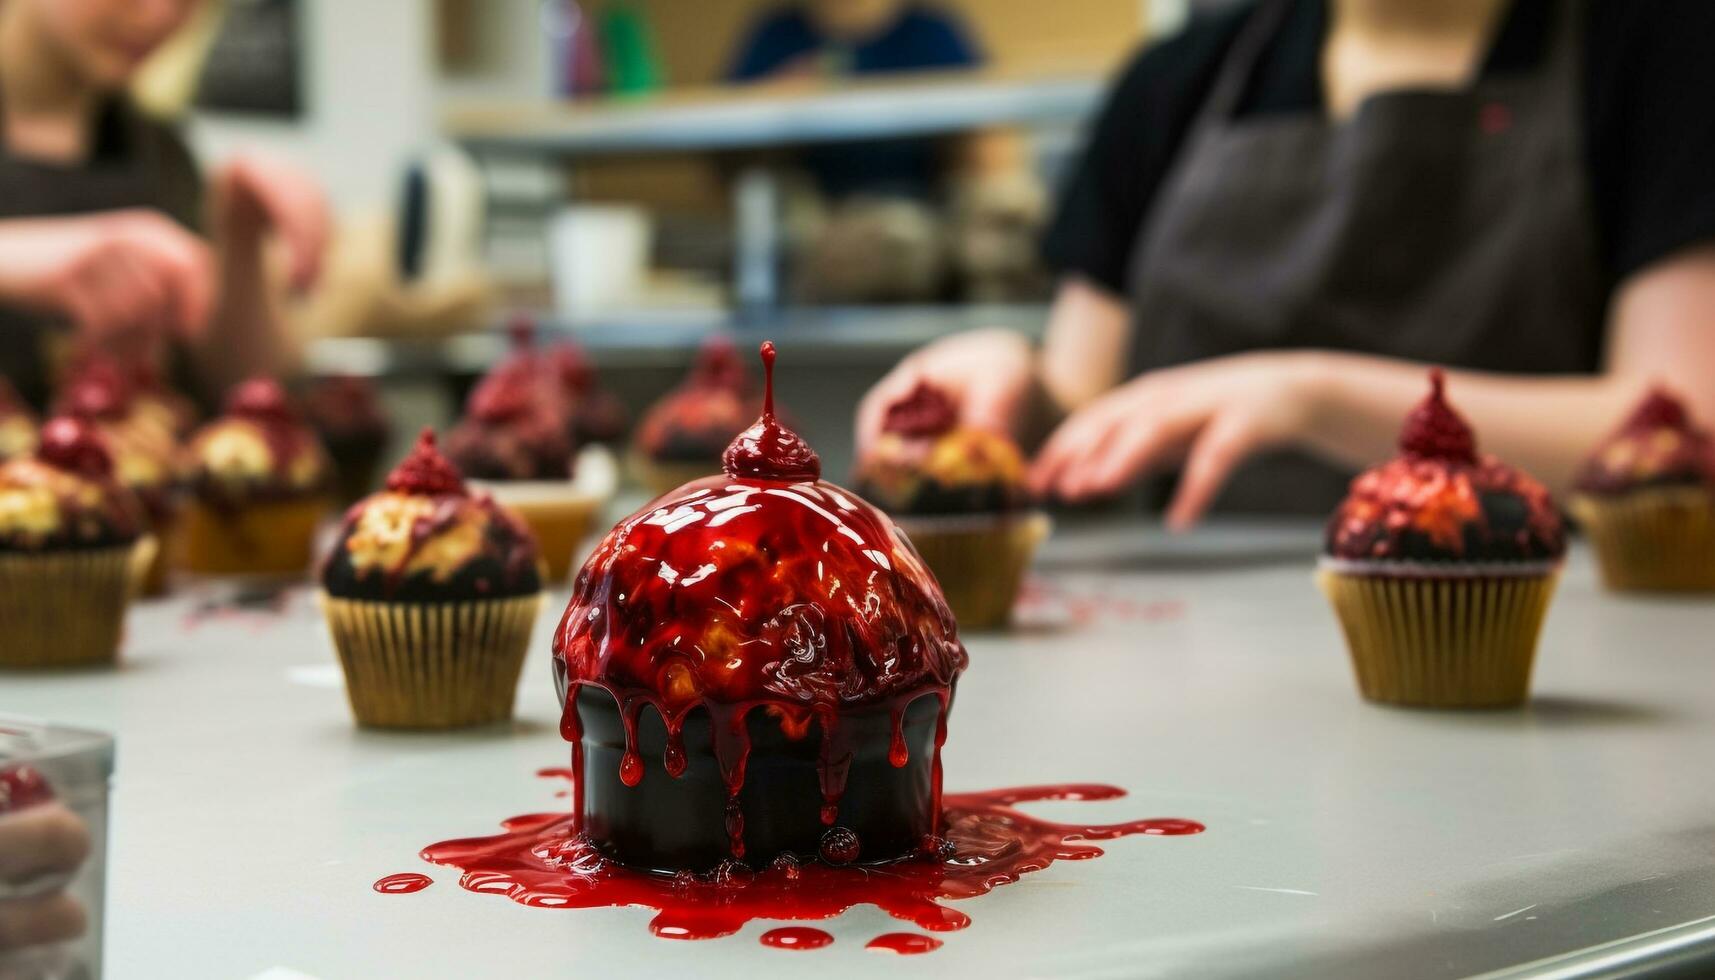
point(628, 48)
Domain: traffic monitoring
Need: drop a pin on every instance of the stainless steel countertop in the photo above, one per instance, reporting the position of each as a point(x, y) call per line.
point(1204, 674)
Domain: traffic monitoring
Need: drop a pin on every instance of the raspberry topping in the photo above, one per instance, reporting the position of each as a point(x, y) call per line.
point(75, 445)
point(1659, 410)
point(1434, 430)
point(425, 472)
point(262, 400)
point(926, 411)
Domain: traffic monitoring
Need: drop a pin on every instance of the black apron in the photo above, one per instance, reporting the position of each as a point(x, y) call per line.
point(1447, 227)
point(135, 162)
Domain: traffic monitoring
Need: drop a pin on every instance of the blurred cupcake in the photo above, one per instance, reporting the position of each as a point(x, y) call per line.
point(959, 494)
point(430, 596)
point(1646, 498)
point(596, 415)
point(513, 441)
point(1440, 566)
point(346, 413)
point(144, 453)
point(682, 436)
point(70, 538)
point(260, 483)
point(17, 424)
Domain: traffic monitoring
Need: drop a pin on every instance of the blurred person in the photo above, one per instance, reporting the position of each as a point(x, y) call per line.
point(106, 221)
point(1287, 210)
point(846, 38)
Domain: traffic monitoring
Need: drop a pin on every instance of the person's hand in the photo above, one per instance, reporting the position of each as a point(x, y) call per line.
point(988, 373)
point(40, 840)
point(253, 195)
point(1210, 415)
point(114, 274)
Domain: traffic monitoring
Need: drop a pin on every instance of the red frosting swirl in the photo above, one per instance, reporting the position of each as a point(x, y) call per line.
point(926, 411)
point(75, 445)
point(425, 472)
point(263, 400)
point(1434, 430)
point(768, 450)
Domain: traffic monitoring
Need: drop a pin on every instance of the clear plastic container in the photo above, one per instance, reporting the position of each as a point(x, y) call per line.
point(77, 766)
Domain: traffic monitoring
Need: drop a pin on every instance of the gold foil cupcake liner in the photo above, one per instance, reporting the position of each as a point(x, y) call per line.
point(267, 538)
point(431, 664)
point(979, 560)
point(1441, 641)
point(67, 608)
point(1653, 539)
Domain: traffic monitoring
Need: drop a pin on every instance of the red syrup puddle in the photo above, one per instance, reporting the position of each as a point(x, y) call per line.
point(1040, 601)
point(403, 884)
point(542, 861)
point(796, 937)
point(904, 943)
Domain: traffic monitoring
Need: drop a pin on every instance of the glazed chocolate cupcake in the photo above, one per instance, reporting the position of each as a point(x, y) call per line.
point(514, 442)
point(596, 414)
point(1440, 565)
point(959, 493)
point(1646, 498)
point(71, 538)
point(260, 484)
point(755, 666)
point(145, 452)
point(430, 596)
point(346, 413)
point(17, 424)
point(683, 435)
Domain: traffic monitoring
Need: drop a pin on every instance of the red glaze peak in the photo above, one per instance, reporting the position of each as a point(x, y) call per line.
point(1434, 430)
point(75, 445)
point(571, 366)
point(503, 395)
point(768, 451)
point(926, 411)
point(261, 399)
point(425, 472)
point(718, 366)
point(1659, 410)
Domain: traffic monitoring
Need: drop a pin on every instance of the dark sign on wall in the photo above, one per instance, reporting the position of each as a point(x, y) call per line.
point(254, 64)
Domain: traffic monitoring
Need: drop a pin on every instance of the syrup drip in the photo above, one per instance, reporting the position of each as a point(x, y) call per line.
point(403, 884)
point(796, 937)
point(904, 943)
point(541, 860)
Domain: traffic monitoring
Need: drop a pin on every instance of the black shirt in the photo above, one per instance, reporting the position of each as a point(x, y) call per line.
point(1648, 123)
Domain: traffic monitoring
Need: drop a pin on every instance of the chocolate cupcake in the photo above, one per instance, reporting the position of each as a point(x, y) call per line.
point(17, 424)
point(144, 450)
point(1646, 498)
point(346, 413)
point(430, 596)
point(260, 484)
point(683, 435)
point(71, 538)
point(514, 442)
point(959, 493)
point(1440, 565)
point(757, 667)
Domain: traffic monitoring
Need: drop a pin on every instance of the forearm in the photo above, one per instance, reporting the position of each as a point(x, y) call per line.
point(1546, 425)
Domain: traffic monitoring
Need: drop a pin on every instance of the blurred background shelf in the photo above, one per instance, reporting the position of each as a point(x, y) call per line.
point(725, 119)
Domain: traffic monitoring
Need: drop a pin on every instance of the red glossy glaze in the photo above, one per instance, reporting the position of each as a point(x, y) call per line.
point(1434, 431)
point(23, 786)
point(796, 937)
point(764, 588)
point(1429, 503)
point(1658, 443)
point(75, 445)
point(926, 411)
point(403, 884)
point(903, 943)
point(425, 472)
point(542, 860)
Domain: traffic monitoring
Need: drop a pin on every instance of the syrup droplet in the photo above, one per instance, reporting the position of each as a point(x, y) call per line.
point(903, 943)
point(768, 450)
point(840, 845)
point(796, 937)
point(1434, 430)
point(403, 884)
